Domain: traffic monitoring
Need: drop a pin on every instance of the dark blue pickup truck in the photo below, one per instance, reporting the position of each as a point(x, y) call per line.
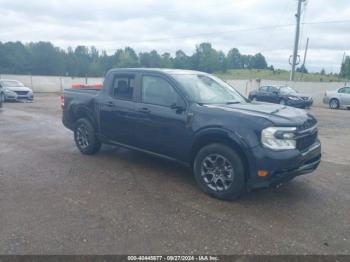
point(194, 118)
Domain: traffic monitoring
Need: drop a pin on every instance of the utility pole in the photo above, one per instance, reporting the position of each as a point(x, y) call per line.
point(306, 48)
point(296, 40)
point(343, 61)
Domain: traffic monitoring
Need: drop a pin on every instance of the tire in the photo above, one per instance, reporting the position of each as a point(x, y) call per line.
point(283, 102)
point(215, 162)
point(85, 137)
point(334, 103)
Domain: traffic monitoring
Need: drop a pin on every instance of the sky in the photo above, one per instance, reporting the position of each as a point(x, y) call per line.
point(252, 26)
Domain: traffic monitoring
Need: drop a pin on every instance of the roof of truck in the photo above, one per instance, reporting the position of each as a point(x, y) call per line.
point(160, 70)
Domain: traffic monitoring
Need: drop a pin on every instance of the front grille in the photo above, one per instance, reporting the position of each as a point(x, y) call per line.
point(306, 141)
point(21, 93)
point(307, 124)
point(308, 134)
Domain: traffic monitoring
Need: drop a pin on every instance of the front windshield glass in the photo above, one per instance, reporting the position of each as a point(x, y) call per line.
point(287, 90)
point(208, 90)
point(10, 83)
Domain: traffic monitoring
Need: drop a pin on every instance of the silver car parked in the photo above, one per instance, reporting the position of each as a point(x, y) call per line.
point(338, 98)
point(14, 90)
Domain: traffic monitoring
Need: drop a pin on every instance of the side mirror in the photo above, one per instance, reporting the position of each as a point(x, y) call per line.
point(178, 108)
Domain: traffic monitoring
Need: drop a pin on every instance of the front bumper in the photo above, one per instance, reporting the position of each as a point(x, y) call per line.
point(300, 103)
point(282, 166)
point(15, 97)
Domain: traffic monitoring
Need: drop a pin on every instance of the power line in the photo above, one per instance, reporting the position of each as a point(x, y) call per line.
point(282, 14)
point(237, 30)
point(327, 22)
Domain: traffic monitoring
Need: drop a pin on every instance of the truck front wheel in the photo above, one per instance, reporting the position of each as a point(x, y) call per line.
point(219, 172)
point(85, 137)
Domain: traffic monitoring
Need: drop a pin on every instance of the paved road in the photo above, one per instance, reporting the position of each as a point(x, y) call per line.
point(53, 200)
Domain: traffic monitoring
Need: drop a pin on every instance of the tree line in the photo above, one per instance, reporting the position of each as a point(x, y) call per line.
point(43, 58)
point(345, 68)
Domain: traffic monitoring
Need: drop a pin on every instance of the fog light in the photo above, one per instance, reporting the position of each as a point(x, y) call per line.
point(263, 173)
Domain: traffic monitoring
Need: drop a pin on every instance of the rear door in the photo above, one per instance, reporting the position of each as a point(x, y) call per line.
point(117, 110)
point(162, 117)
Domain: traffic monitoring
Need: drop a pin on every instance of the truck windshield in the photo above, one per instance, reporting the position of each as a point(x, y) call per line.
point(208, 90)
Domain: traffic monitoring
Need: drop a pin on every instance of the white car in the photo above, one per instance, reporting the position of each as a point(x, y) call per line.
point(338, 98)
point(14, 90)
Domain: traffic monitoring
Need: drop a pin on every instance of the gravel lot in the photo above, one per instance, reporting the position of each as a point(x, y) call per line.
point(53, 200)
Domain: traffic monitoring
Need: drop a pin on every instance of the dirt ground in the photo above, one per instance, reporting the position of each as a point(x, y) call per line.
point(54, 200)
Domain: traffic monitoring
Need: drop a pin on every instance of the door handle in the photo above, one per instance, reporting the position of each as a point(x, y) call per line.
point(144, 110)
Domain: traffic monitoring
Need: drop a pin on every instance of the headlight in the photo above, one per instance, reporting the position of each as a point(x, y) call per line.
point(293, 98)
point(7, 91)
point(278, 138)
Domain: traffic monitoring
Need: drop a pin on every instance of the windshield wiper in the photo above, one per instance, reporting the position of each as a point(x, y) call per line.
point(232, 103)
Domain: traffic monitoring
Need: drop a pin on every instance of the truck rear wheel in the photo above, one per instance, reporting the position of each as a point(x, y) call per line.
point(219, 172)
point(85, 137)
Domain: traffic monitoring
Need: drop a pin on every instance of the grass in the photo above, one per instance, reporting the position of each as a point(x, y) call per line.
point(278, 74)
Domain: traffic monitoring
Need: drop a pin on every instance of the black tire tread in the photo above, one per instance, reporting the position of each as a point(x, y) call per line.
point(330, 101)
point(238, 187)
point(95, 144)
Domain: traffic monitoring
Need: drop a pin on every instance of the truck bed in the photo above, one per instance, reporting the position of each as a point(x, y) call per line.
point(90, 91)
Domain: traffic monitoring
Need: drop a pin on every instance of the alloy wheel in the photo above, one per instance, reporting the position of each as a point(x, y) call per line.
point(82, 135)
point(217, 172)
point(333, 104)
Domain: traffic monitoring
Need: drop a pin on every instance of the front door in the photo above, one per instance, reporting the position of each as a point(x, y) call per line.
point(273, 96)
point(162, 118)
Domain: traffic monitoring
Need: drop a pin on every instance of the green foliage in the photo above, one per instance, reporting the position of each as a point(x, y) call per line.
point(42, 58)
point(345, 68)
point(302, 69)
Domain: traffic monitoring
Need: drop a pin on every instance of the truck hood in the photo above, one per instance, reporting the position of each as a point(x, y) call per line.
point(277, 114)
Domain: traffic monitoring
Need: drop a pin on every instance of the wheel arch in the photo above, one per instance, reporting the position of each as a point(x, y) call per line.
point(222, 137)
point(79, 112)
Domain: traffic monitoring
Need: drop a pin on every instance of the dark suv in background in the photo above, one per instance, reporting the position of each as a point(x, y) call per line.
point(283, 95)
point(194, 118)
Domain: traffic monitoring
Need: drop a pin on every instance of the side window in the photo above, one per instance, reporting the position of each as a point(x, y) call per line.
point(263, 88)
point(123, 86)
point(272, 89)
point(347, 90)
point(157, 91)
point(342, 90)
